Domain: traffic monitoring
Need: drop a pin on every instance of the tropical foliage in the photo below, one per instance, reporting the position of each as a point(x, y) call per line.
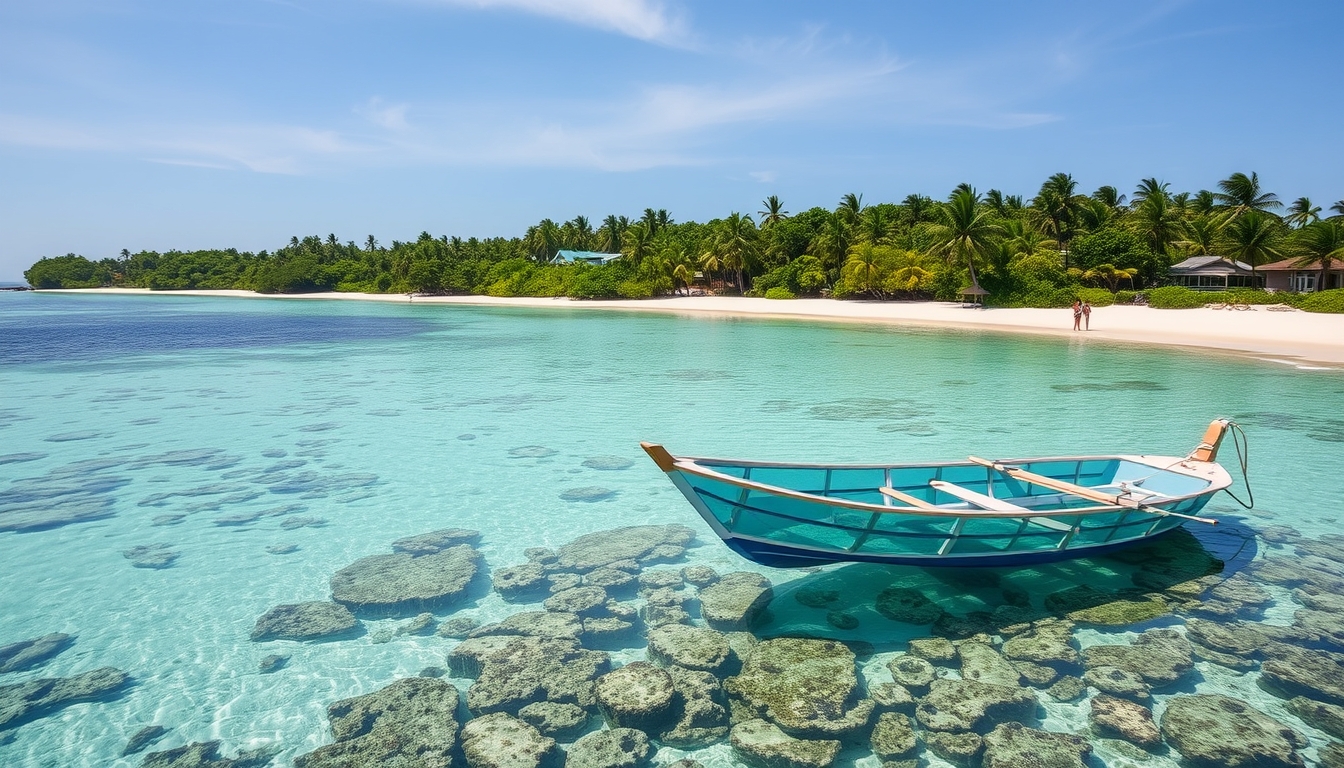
point(1039, 251)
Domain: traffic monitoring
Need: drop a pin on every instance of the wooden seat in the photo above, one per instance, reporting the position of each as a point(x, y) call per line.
point(997, 505)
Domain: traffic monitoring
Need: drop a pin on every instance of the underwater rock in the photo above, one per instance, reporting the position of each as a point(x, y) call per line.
point(1317, 600)
point(503, 741)
point(581, 601)
point(535, 624)
point(559, 721)
point(969, 705)
point(403, 584)
point(807, 687)
point(26, 654)
point(1290, 671)
point(892, 697)
point(143, 738)
point(1123, 719)
point(1118, 682)
point(458, 627)
point(608, 463)
point(162, 520)
point(615, 582)
point(304, 621)
point(1324, 628)
point(559, 582)
point(690, 647)
point(205, 754)
point(981, 662)
point(1048, 643)
point(637, 695)
point(1330, 756)
point(588, 493)
point(699, 576)
point(700, 710)
point(1037, 675)
point(609, 632)
point(295, 523)
point(1239, 663)
point(1159, 656)
point(1242, 591)
point(532, 669)
point(841, 620)
point(594, 550)
point(468, 658)
point(1327, 717)
point(938, 650)
point(410, 722)
point(1087, 605)
point(1237, 638)
point(1216, 731)
point(272, 663)
point(732, 603)
point(1013, 745)
point(1067, 688)
point(613, 748)
point(540, 555)
point(23, 702)
point(961, 749)
point(668, 597)
point(436, 541)
point(422, 624)
point(661, 578)
point(282, 549)
point(892, 737)
point(532, 452)
point(1329, 546)
point(912, 672)
point(520, 583)
point(908, 606)
point(814, 597)
point(763, 745)
point(151, 556)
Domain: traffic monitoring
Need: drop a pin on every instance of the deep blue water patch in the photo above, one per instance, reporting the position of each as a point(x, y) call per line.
point(68, 331)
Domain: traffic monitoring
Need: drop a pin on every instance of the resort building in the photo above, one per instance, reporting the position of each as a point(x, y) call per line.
point(1290, 275)
point(1215, 273)
point(584, 257)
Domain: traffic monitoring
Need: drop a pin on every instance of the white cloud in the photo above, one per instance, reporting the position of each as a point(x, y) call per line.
point(764, 177)
point(640, 19)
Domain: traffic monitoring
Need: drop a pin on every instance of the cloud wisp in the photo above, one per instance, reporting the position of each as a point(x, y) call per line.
point(640, 19)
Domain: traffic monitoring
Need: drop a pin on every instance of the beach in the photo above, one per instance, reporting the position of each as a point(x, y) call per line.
point(1300, 338)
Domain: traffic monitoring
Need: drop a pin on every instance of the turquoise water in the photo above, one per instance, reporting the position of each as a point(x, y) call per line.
point(352, 424)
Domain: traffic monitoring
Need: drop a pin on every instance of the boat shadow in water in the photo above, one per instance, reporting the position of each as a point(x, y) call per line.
point(877, 608)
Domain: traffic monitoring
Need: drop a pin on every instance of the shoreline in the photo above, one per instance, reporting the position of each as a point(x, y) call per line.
point(1295, 338)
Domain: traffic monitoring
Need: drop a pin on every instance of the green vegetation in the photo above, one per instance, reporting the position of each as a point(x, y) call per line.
point(1047, 251)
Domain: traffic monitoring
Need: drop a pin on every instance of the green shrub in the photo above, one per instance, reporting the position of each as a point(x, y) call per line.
point(1179, 297)
point(1043, 296)
point(780, 292)
point(68, 271)
point(1323, 301)
point(1252, 296)
point(1125, 297)
point(1097, 297)
point(595, 283)
point(635, 289)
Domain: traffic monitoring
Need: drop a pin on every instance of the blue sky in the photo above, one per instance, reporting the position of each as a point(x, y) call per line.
point(158, 124)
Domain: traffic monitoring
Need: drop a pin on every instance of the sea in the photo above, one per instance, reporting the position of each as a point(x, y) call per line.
point(267, 443)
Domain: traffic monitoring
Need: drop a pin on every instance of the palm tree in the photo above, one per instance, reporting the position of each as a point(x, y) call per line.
point(1253, 238)
point(371, 244)
point(709, 262)
point(1202, 234)
point(1109, 196)
point(650, 221)
point(543, 240)
point(866, 266)
point(612, 233)
point(1302, 212)
point(664, 220)
point(874, 226)
point(736, 245)
point(1147, 188)
point(1094, 214)
point(774, 211)
point(1156, 221)
point(831, 244)
point(851, 205)
point(1056, 205)
point(580, 233)
point(1108, 275)
point(1242, 194)
point(994, 199)
point(1322, 243)
point(1024, 238)
point(636, 243)
point(917, 208)
point(964, 230)
point(1338, 208)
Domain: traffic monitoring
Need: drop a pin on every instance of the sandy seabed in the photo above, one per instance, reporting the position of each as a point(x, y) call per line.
point(1297, 338)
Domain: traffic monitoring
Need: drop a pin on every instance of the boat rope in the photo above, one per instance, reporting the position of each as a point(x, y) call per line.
point(1243, 447)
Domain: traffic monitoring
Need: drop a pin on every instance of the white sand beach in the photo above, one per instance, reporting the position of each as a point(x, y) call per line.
point(1300, 338)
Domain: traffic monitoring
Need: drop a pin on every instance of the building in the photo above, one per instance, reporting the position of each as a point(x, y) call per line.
point(1289, 275)
point(1214, 273)
point(584, 257)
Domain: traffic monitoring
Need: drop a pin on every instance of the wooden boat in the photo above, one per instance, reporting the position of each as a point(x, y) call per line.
point(962, 513)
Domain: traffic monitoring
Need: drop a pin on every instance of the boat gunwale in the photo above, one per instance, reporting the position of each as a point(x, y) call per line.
point(691, 465)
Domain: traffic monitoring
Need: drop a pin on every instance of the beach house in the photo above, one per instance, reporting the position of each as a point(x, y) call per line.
point(1290, 275)
point(584, 257)
point(1214, 273)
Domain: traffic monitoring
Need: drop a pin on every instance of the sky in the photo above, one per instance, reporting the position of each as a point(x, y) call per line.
point(162, 124)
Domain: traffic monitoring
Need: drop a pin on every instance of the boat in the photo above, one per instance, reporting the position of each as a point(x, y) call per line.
point(976, 512)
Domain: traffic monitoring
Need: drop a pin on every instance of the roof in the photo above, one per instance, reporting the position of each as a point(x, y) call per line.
point(1293, 265)
point(974, 290)
point(591, 257)
point(1210, 265)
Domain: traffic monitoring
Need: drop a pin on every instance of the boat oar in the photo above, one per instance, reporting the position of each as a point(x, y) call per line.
point(1017, 473)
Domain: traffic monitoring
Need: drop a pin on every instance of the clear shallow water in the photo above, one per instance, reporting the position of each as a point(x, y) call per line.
point(380, 421)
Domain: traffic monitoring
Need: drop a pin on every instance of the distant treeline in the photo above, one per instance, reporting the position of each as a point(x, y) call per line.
point(1044, 251)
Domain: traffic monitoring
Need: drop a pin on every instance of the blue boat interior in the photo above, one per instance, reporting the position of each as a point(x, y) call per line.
point(831, 532)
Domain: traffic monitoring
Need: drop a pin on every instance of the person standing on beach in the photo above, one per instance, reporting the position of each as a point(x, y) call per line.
point(1087, 316)
point(1077, 314)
